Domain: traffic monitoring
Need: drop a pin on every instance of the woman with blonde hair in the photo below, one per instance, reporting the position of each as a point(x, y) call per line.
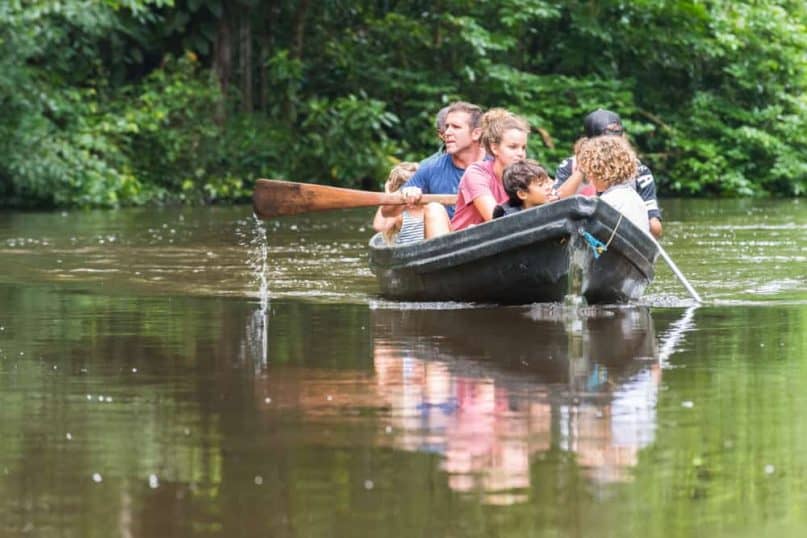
point(504, 136)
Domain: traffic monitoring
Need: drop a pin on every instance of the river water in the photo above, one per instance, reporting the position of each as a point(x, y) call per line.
point(193, 372)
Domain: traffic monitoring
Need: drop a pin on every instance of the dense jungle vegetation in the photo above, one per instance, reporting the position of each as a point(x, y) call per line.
point(124, 102)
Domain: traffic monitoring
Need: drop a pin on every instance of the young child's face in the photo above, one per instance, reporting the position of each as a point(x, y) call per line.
point(537, 193)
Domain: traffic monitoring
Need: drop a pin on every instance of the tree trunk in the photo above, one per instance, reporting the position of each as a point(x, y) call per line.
point(298, 27)
point(296, 53)
point(223, 63)
point(245, 54)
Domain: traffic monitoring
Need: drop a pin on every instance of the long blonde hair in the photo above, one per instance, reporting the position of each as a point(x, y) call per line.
point(399, 175)
point(497, 121)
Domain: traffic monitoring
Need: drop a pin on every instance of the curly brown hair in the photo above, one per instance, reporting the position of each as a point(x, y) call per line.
point(608, 159)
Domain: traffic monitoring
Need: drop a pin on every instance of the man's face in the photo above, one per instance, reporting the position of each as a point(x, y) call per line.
point(458, 134)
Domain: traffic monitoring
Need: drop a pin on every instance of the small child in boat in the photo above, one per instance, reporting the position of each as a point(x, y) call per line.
point(610, 163)
point(527, 185)
point(408, 226)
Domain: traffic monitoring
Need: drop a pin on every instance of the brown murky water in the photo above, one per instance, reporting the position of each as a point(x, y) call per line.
point(195, 373)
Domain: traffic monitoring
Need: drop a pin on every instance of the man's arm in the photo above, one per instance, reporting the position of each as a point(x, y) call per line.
point(646, 187)
point(567, 179)
point(411, 192)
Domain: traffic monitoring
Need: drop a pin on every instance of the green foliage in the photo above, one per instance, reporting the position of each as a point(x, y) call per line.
point(132, 101)
point(346, 137)
point(172, 139)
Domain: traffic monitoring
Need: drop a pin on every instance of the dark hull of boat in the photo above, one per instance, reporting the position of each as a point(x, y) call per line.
point(536, 255)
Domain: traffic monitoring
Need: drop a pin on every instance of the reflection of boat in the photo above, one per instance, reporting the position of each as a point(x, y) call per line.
point(524, 258)
point(536, 344)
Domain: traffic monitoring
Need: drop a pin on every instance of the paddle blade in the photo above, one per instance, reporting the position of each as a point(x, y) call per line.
point(274, 198)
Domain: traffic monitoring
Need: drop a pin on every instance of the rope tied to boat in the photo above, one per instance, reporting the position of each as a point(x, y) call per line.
point(597, 246)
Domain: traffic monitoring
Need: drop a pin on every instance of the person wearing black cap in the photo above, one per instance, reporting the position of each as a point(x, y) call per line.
point(569, 180)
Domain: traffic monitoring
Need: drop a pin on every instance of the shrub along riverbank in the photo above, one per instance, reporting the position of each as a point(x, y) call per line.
point(128, 102)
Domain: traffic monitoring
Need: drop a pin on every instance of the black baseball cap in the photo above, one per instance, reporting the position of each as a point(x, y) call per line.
point(602, 122)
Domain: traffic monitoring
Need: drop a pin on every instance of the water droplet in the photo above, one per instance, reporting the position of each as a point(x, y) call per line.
point(329, 397)
point(388, 429)
point(154, 482)
point(258, 480)
point(89, 396)
point(134, 370)
point(368, 484)
point(687, 404)
point(769, 469)
point(97, 478)
point(69, 437)
point(268, 400)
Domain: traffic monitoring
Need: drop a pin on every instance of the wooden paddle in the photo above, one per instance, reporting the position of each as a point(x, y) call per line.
point(274, 198)
point(677, 272)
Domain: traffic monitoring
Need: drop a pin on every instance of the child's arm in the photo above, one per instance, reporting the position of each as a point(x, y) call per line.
point(382, 223)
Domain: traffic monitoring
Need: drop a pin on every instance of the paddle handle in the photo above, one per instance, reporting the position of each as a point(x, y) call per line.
point(447, 199)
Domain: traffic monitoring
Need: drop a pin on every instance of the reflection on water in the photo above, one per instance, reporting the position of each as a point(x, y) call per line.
point(494, 391)
point(491, 390)
point(153, 384)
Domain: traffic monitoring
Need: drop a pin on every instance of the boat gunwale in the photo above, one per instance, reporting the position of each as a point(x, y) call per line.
point(556, 220)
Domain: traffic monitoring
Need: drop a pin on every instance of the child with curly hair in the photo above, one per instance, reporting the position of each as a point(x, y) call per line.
point(610, 163)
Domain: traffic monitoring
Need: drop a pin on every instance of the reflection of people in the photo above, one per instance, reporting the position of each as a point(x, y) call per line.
point(610, 163)
point(591, 391)
point(505, 138)
point(569, 180)
point(609, 427)
point(527, 185)
point(406, 227)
